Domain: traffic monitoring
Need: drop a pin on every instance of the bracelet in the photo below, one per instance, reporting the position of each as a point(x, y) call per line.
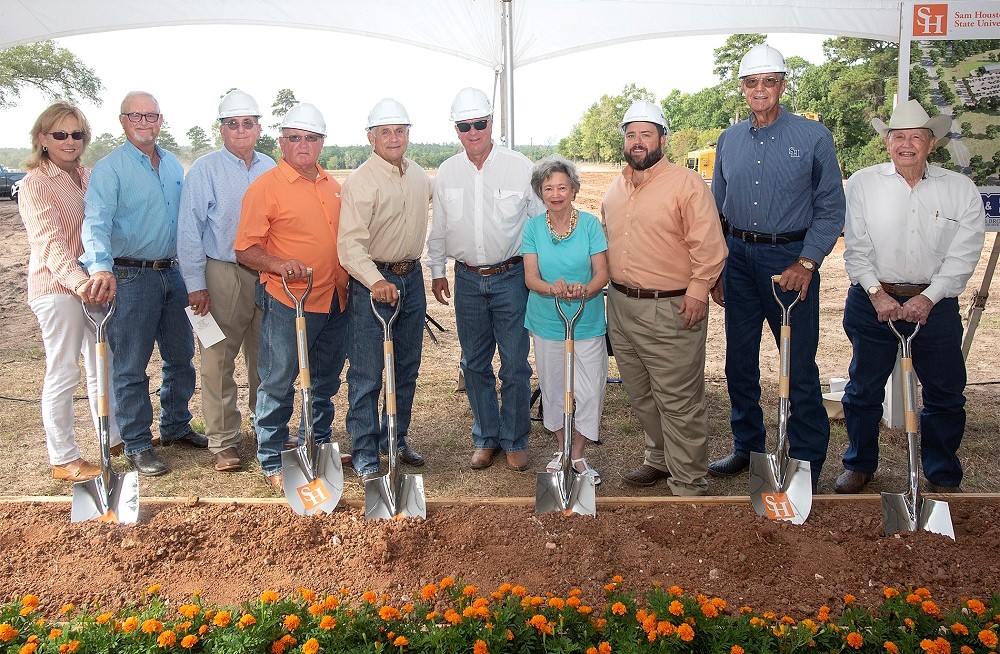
point(77, 288)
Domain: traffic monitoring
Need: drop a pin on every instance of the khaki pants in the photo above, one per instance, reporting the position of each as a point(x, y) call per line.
point(232, 289)
point(662, 366)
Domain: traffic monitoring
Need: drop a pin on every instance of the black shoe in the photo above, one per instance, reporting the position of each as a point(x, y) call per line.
point(148, 463)
point(407, 456)
point(730, 466)
point(191, 439)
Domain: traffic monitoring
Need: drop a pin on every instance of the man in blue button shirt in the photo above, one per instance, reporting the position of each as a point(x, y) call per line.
point(779, 188)
point(130, 248)
point(206, 228)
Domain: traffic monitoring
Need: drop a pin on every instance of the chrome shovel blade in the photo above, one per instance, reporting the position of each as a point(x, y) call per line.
point(900, 514)
point(779, 494)
point(551, 494)
point(383, 502)
point(117, 502)
point(308, 493)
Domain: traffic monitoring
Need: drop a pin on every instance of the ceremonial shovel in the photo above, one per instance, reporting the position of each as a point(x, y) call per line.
point(111, 496)
point(393, 494)
point(908, 511)
point(313, 475)
point(565, 490)
point(780, 486)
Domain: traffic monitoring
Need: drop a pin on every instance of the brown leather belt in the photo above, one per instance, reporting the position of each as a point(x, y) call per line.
point(489, 271)
point(159, 264)
point(645, 293)
point(398, 268)
point(904, 290)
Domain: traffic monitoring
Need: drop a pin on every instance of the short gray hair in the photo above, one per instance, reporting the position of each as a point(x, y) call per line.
point(551, 165)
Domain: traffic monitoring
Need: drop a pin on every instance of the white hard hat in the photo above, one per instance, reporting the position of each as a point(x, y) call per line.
point(305, 116)
point(762, 58)
point(470, 103)
point(388, 112)
point(646, 112)
point(238, 103)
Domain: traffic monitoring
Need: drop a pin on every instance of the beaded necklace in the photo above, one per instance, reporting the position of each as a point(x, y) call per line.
point(556, 238)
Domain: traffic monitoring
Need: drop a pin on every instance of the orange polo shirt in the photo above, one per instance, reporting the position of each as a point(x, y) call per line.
point(292, 217)
point(663, 234)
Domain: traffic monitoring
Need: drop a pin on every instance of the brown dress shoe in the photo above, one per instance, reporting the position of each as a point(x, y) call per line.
point(482, 458)
point(851, 481)
point(79, 470)
point(644, 475)
point(228, 460)
point(934, 488)
point(518, 461)
point(276, 481)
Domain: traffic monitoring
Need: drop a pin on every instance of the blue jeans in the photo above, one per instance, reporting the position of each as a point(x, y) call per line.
point(150, 310)
point(749, 302)
point(938, 363)
point(278, 366)
point(489, 315)
point(368, 428)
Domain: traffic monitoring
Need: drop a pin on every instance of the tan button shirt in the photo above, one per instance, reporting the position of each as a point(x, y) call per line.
point(383, 217)
point(663, 234)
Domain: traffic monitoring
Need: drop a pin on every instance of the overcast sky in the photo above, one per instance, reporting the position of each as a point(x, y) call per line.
point(189, 68)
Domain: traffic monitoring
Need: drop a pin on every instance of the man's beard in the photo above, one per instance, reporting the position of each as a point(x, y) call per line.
point(650, 160)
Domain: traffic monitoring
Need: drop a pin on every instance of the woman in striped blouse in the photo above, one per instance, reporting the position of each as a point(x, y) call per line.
point(51, 206)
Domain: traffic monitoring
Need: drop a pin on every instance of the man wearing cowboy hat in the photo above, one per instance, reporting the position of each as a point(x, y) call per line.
point(913, 236)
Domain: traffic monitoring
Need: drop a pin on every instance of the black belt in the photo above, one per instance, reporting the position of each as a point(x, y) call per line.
point(904, 290)
point(399, 268)
point(646, 293)
point(489, 271)
point(760, 237)
point(159, 264)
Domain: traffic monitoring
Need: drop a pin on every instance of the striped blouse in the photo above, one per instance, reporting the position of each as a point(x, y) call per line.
point(51, 207)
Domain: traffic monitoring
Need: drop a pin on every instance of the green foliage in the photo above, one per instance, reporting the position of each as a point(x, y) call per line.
point(536, 152)
point(54, 71)
point(167, 141)
point(282, 103)
point(687, 139)
point(200, 143)
point(13, 157)
point(598, 136)
point(727, 65)
point(268, 145)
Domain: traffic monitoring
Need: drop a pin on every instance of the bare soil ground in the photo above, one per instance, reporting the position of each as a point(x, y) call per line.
point(233, 551)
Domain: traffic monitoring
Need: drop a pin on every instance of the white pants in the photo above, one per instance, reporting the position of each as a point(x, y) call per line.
point(590, 376)
point(66, 334)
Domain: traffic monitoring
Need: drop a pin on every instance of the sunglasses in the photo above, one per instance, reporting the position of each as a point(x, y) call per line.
point(769, 82)
point(480, 125)
point(135, 117)
point(308, 138)
point(62, 136)
point(236, 124)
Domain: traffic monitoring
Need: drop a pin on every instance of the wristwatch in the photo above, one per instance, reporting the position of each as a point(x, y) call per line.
point(808, 264)
point(873, 290)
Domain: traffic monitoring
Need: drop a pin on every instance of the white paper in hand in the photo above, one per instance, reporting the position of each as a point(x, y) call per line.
point(205, 328)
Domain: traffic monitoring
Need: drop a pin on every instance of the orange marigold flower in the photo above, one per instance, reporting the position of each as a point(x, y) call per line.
point(327, 623)
point(537, 620)
point(469, 591)
point(520, 591)
point(287, 639)
point(909, 622)
point(889, 592)
point(189, 611)
point(369, 597)
point(708, 610)
point(447, 582)
point(618, 608)
point(66, 608)
point(268, 596)
point(676, 608)
point(609, 588)
point(976, 607)
point(913, 598)
point(166, 639)
point(960, 629)
point(786, 619)
point(401, 641)
point(922, 593)
point(685, 632)
point(665, 628)
point(277, 647)
point(745, 609)
point(988, 638)
point(452, 617)
point(468, 612)
point(573, 601)
point(604, 647)
point(131, 624)
point(929, 607)
point(890, 647)
point(202, 629)
point(7, 632)
point(307, 595)
point(736, 649)
point(849, 599)
point(428, 592)
point(966, 650)
point(316, 609)
point(756, 622)
point(768, 615)
point(246, 620)
point(30, 602)
point(701, 599)
point(591, 650)
point(292, 622)
point(719, 603)
point(676, 591)
point(152, 626)
point(509, 635)
point(331, 602)
point(855, 640)
point(617, 579)
point(104, 618)
point(311, 646)
point(388, 613)
point(480, 647)
point(823, 615)
point(928, 646)
point(407, 608)
point(537, 601)
point(154, 589)
point(557, 602)
point(189, 641)
point(54, 633)
point(222, 619)
point(583, 609)
point(28, 648)
point(431, 616)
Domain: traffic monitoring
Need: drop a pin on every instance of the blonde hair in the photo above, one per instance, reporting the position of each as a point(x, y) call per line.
point(54, 113)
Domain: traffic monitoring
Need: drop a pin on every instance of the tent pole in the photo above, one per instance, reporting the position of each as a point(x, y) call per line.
point(507, 86)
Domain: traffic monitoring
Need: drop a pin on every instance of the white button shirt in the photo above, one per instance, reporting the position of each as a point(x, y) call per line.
point(930, 234)
point(479, 214)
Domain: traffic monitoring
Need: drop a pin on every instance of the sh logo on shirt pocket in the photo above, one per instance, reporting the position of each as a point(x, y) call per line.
point(794, 153)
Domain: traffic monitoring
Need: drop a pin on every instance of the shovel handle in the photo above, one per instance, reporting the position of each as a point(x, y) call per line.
point(390, 378)
point(786, 309)
point(909, 377)
point(299, 301)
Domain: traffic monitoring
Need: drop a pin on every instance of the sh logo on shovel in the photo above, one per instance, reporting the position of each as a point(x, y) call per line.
point(777, 506)
point(313, 494)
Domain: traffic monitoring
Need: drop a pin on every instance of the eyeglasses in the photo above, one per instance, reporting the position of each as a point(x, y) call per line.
point(308, 138)
point(236, 124)
point(480, 125)
point(769, 82)
point(135, 117)
point(62, 136)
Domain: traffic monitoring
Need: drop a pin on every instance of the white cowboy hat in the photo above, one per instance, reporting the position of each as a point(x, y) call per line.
point(910, 115)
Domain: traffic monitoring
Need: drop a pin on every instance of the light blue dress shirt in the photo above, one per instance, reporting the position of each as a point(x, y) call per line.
point(210, 210)
point(130, 209)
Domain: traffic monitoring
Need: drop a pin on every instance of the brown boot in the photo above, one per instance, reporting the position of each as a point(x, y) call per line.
point(482, 458)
